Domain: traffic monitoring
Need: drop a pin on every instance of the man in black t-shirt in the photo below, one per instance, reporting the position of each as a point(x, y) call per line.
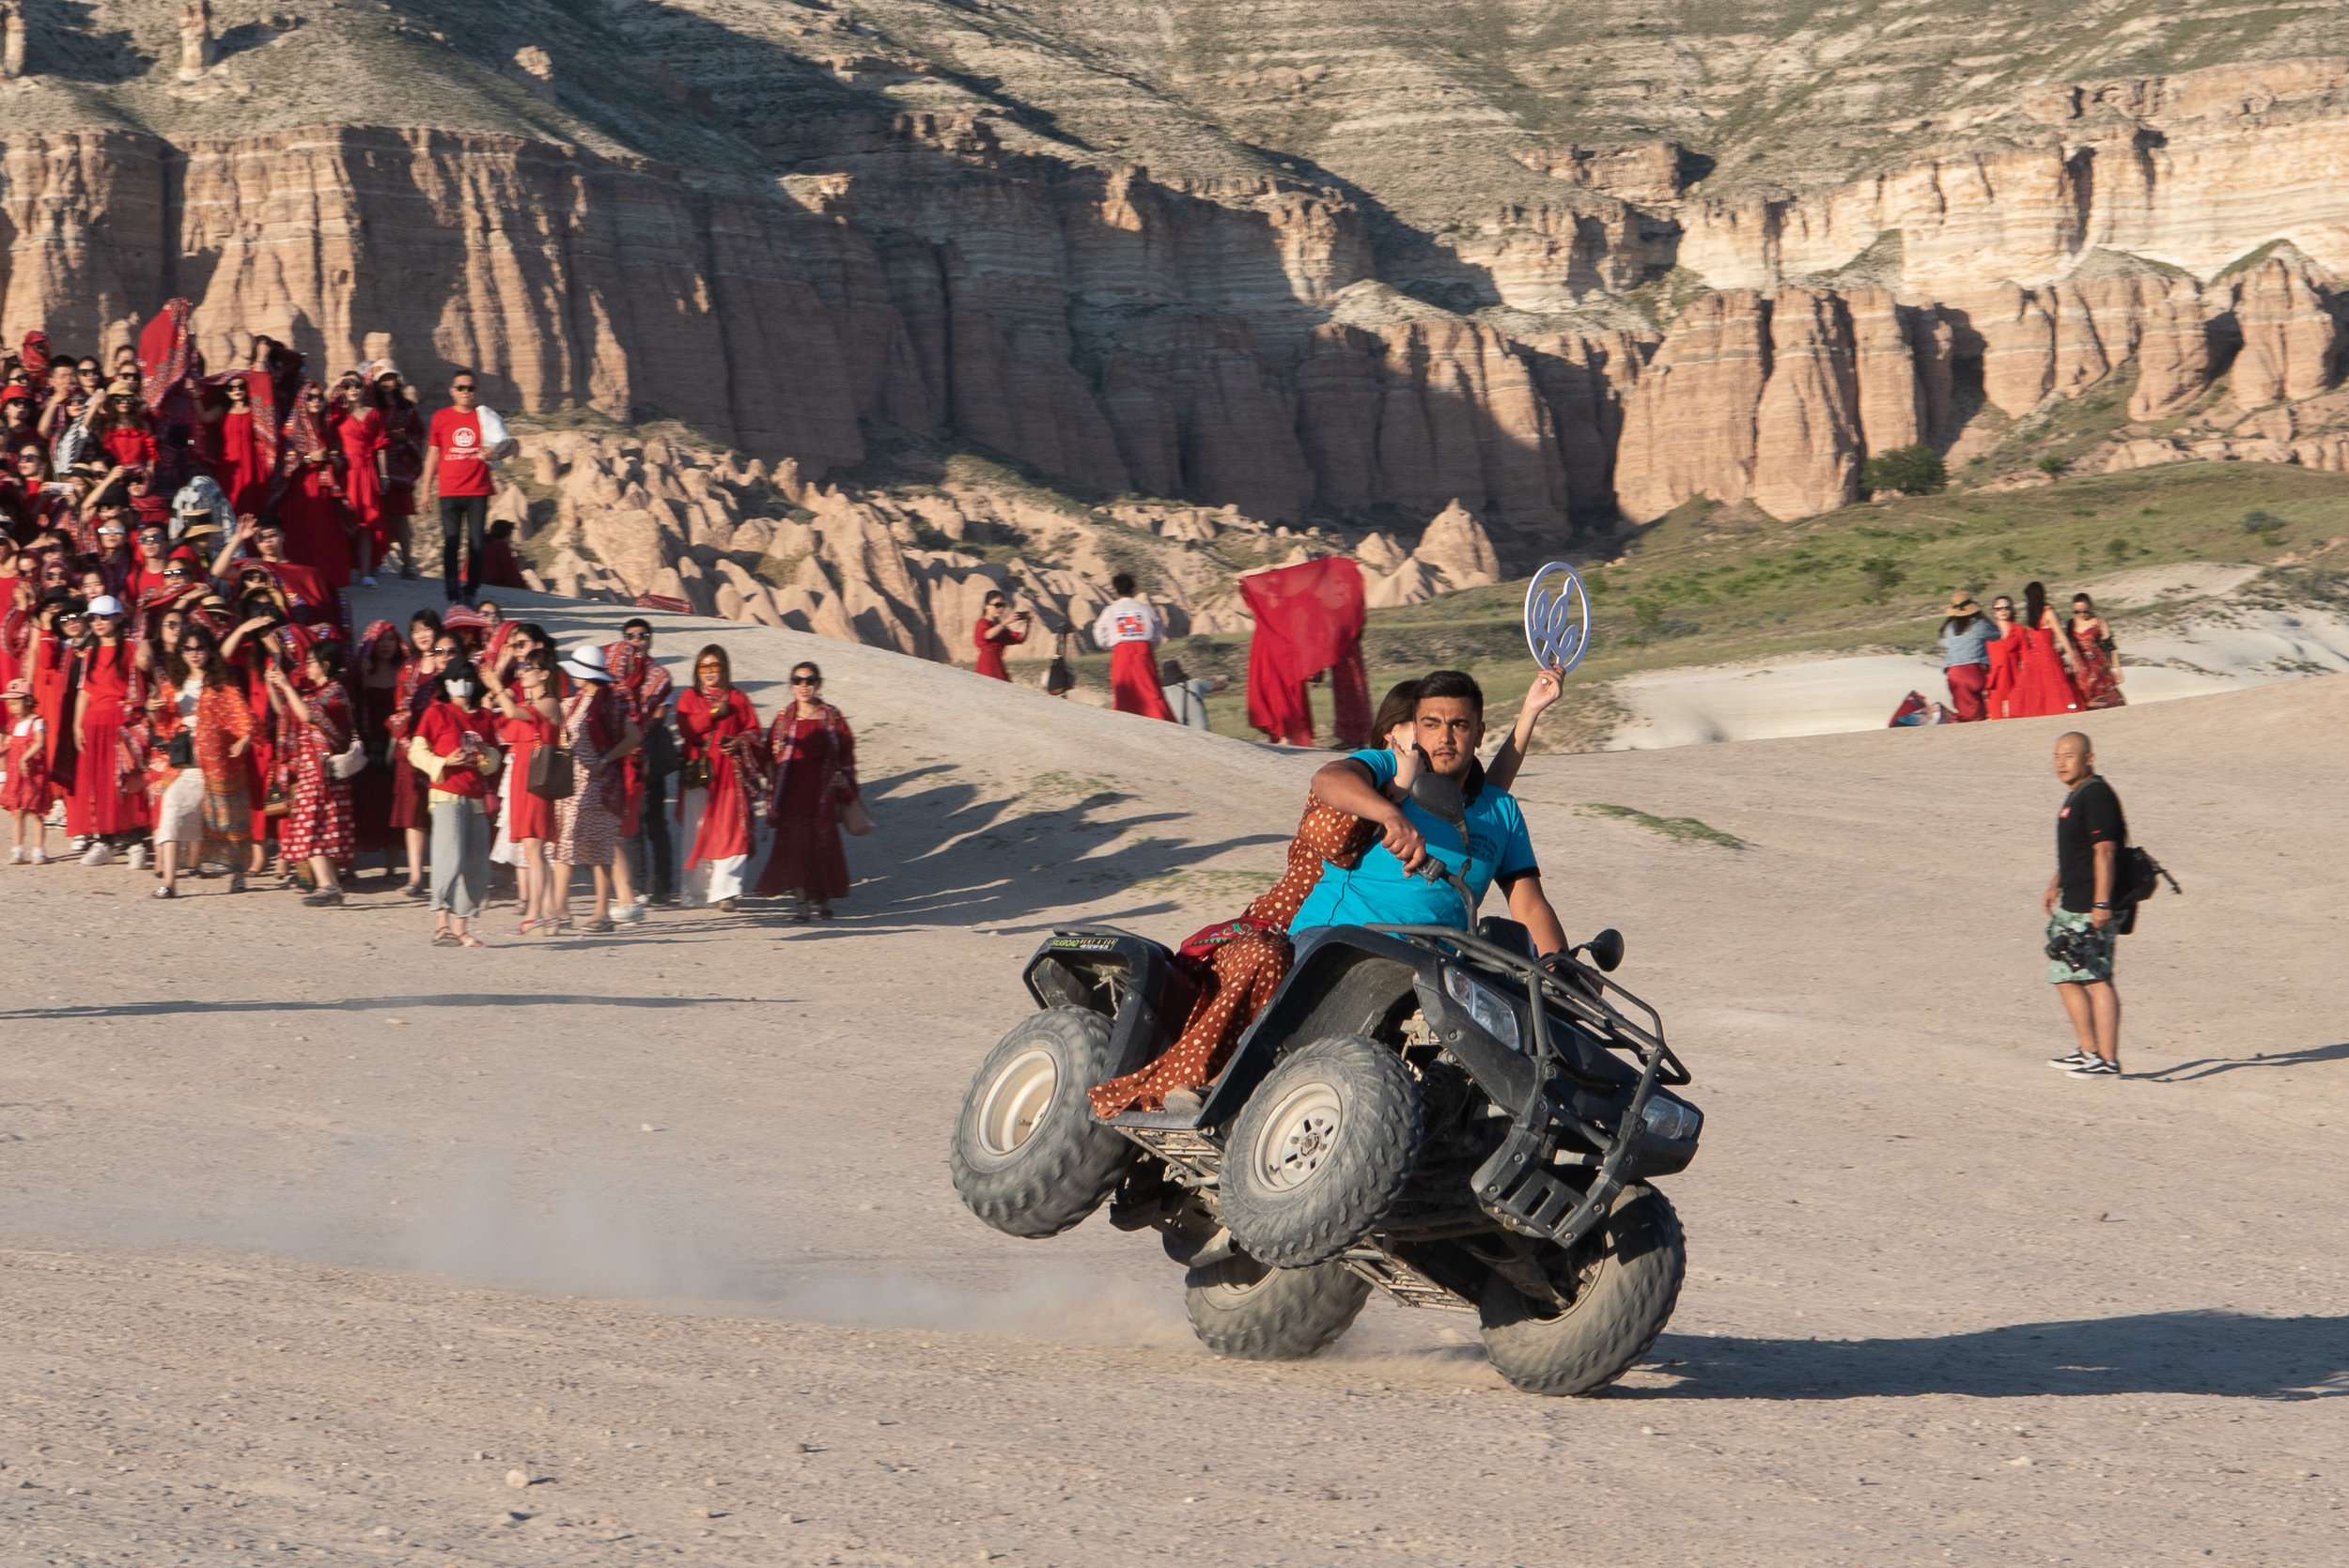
point(2089, 832)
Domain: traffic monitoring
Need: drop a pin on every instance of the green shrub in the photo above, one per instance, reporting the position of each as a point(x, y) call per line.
point(1916, 470)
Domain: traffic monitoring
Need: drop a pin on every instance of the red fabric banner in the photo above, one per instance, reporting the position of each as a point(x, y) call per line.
point(165, 348)
point(1308, 618)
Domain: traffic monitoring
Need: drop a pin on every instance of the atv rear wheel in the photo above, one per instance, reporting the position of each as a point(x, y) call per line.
point(1624, 1296)
point(1320, 1151)
point(1241, 1308)
point(1028, 1156)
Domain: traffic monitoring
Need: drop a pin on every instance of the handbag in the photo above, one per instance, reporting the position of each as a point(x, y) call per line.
point(278, 801)
point(695, 774)
point(854, 819)
point(553, 776)
point(182, 753)
point(1059, 679)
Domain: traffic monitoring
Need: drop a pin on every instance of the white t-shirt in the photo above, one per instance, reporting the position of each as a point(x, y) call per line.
point(1127, 620)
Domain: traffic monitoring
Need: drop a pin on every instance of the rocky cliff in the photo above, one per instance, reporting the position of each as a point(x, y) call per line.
point(1334, 264)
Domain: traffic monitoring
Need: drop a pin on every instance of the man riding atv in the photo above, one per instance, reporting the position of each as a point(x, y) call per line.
point(1448, 723)
point(1359, 1084)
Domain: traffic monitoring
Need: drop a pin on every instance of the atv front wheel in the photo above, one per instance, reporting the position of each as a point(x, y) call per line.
point(1028, 1156)
point(1320, 1151)
point(1241, 1308)
point(1624, 1298)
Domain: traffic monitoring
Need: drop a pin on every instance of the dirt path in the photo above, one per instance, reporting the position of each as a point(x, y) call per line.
point(306, 1216)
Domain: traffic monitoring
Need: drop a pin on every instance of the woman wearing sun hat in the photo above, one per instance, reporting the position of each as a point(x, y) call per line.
point(1966, 639)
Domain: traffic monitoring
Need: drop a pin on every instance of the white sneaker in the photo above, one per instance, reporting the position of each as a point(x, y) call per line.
point(628, 913)
point(41, 857)
point(100, 854)
point(138, 856)
point(367, 582)
point(16, 855)
point(75, 846)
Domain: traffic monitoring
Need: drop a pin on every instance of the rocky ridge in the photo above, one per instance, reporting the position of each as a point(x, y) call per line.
point(615, 515)
point(1563, 266)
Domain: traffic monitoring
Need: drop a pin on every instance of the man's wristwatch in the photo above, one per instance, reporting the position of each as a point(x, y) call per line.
point(2103, 905)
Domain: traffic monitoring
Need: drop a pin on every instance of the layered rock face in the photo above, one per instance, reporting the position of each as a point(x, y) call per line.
point(1354, 290)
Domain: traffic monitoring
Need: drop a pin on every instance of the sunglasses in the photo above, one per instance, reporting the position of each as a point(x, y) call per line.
point(636, 636)
point(461, 386)
point(174, 571)
point(808, 680)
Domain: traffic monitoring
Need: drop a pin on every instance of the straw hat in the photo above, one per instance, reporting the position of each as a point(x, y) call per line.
point(1962, 604)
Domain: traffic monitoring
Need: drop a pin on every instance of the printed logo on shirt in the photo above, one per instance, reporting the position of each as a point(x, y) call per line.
point(1131, 625)
point(462, 437)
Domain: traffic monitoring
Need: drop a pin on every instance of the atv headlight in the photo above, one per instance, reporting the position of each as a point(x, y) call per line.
point(1493, 1015)
point(1670, 1119)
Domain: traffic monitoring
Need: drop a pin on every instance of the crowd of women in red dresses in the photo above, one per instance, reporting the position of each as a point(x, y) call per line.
point(2031, 664)
point(220, 723)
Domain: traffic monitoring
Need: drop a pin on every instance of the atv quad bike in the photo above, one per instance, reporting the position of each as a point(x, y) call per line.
point(1437, 1115)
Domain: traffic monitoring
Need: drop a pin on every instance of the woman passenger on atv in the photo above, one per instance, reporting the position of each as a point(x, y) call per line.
point(1238, 965)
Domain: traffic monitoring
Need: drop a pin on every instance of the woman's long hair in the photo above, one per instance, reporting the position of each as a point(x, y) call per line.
point(2034, 604)
point(2082, 599)
point(1399, 706)
point(1956, 626)
point(726, 666)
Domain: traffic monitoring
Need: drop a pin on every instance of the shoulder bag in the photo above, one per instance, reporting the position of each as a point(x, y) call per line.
point(553, 776)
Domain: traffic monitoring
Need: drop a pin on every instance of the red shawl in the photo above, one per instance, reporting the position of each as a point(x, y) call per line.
point(165, 350)
point(784, 746)
point(1308, 618)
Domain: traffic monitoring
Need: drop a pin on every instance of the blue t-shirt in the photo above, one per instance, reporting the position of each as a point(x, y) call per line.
point(1380, 892)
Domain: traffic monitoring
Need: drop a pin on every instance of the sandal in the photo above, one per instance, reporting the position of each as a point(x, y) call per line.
point(445, 938)
point(523, 930)
point(165, 892)
point(598, 926)
point(469, 940)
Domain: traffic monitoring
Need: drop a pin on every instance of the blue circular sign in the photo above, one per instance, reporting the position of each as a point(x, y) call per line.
point(1557, 619)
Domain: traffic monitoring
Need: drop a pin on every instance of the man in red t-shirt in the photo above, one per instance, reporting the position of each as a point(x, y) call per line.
point(457, 469)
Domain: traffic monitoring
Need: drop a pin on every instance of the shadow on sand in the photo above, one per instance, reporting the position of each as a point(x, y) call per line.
point(2232, 1354)
point(2211, 1066)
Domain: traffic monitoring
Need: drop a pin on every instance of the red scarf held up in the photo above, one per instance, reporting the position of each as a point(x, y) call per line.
point(1308, 618)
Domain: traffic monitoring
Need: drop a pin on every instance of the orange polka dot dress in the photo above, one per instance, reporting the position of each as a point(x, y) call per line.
point(1238, 964)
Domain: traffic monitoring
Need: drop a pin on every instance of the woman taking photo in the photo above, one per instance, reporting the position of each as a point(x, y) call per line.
point(532, 720)
point(718, 738)
point(998, 628)
point(815, 762)
point(452, 752)
point(2093, 662)
point(2004, 652)
point(314, 723)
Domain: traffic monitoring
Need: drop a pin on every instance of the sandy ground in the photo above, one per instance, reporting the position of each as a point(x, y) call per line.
point(2218, 645)
point(315, 1234)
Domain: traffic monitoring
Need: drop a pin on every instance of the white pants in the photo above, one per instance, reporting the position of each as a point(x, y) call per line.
point(710, 880)
point(180, 814)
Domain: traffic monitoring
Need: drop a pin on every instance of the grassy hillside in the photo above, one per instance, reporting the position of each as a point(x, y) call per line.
point(1712, 584)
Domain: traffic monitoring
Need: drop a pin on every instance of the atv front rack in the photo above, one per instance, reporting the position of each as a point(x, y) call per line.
point(1515, 1185)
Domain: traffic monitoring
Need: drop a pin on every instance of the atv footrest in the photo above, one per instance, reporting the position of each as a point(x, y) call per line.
point(1186, 1150)
point(1404, 1283)
point(1515, 1188)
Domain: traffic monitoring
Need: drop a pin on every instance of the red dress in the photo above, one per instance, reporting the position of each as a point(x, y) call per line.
point(534, 814)
point(315, 536)
point(99, 804)
point(2006, 656)
point(702, 726)
point(27, 787)
point(361, 437)
point(990, 640)
point(245, 478)
point(318, 814)
point(2042, 686)
point(815, 772)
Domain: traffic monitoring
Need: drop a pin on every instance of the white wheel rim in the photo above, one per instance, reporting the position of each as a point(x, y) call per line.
point(1017, 1101)
point(1298, 1137)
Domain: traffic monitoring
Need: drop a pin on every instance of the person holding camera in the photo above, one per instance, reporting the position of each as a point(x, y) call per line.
point(2080, 904)
point(999, 626)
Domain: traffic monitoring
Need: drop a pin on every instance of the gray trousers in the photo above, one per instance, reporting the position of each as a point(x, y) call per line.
point(461, 856)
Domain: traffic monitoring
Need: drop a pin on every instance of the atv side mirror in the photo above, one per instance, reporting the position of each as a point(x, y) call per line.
point(1606, 949)
point(1438, 796)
